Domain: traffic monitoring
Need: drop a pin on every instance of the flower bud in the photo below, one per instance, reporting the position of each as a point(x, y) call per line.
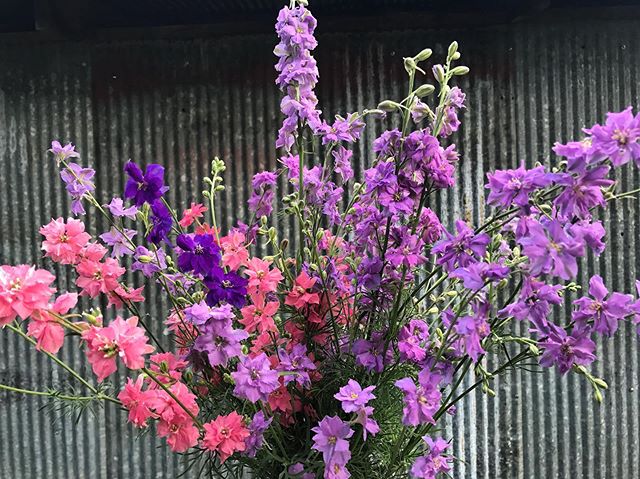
point(455, 56)
point(409, 65)
point(284, 244)
point(461, 70)
point(453, 48)
point(424, 90)
point(423, 55)
point(388, 105)
point(433, 310)
point(145, 259)
point(438, 73)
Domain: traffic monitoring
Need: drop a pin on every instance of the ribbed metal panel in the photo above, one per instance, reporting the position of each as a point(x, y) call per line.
point(180, 102)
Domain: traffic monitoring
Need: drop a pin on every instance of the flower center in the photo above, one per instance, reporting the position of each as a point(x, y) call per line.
point(198, 249)
point(15, 285)
point(332, 440)
point(621, 136)
point(64, 237)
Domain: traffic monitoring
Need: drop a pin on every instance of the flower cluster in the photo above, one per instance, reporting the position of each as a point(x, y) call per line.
point(334, 352)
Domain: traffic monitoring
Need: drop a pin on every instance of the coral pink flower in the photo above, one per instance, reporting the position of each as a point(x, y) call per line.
point(98, 277)
point(280, 399)
point(261, 279)
point(183, 331)
point(64, 242)
point(181, 434)
point(299, 296)
point(122, 339)
point(226, 435)
point(175, 423)
point(92, 252)
point(259, 315)
point(234, 252)
point(137, 401)
point(125, 294)
point(23, 290)
point(191, 214)
point(167, 366)
point(45, 327)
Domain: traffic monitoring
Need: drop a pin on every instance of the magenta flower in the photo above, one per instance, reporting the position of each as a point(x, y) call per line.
point(475, 275)
point(534, 304)
point(462, 249)
point(369, 354)
point(604, 314)
point(420, 402)
point(514, 187)
point(582, 192)
point(330, 439)
point(566, 350)
point(254, 379)
point(618, 138)
point(411, 341)
point(472, 330)
point(434, 462)
point(353, 397)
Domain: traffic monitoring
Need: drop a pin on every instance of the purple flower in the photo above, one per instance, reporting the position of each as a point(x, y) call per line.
point(116, 207)
point(220, 343)
point(343, 129)
point(440, 169)
point(370, 273)
point(353, 397)
point(259, 424)
point(618, 138)
point(551, 250)
point(472, 330)
point(120, 241)
point(149, 262)
point(534, 304)
point(411, 341)
point(369, 353)
point(254, 379)
point(579, 154)
point(342, 160)
point(198, 253)
point(565, 350)
point(420, 402)
point(589, 233)
point(61, 153)
point(514, 187)
point(147, 187)
point(369, 425)
point(434, 462)
point(261, 200)
point(161, 223)
point(582, 192)
point(387, 143)
point(396, 200)
point(408, 252)
point(429, 226)
point(296, 365)
point(475, 275)
point(79, 184)
point(463, 249)
point(229, 287)
point(330, 439)
point(216, 317)
point(604, 314)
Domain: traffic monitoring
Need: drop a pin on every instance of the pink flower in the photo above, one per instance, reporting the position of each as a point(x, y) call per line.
point(234, 252)
point(259, 315)
point(167, 366)
point(64, 242)
point(137, 401)
point(96, 277)
point(92, 252)
point(226, 435)
point(23, 290)
point(299, 296)
point(174, 422)
point(121, 338)
point(125, 294)
point(181, 434)
point(45, 327)
point(191, 214)
point(261, 279)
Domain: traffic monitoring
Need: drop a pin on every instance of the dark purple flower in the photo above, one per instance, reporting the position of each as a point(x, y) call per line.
point(330, 439)
point(370, 273)
point(229, 287)
point(618, 138)
point(565, 350)
point(579, 154)
point(353, 397)
point(79, 183)
point(259, 424)
point(462, 249)
point(254, 379)
point(198, 253)
point(514, 187)
point(369, 354)
point(604, 314)
point(147, 187)
point(429, 226)
point(582, 192)
point(388, 143)
point(420, 402)
point(408, 252)
point(161, 223)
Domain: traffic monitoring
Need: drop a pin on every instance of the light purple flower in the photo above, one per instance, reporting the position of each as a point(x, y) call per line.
point(353, 397)
point(434, 462)
point(149, 262)
point(604, 314)
point(296, 365)
point(61, 153)
point(420, 402)
point(79, 183)
point(116, 207)
point(342, 161)
point(472, 330)
point(330, 439)
point(259, 424)
point(618, 138)
point(120, 241)
point(534, 304)
point(411, 341)
point(565, 350)
point(254, 379)
point(369, 425)
point(475, 275)
point(220, 344)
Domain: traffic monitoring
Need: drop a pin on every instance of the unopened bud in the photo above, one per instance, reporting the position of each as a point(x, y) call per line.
point(453, 48)
point(438, 73)
point(388, 106)
point(145, 259)
point(409, 65)
point(423, 55)
point(424, 90)
point(433, 310)
point(461, 70)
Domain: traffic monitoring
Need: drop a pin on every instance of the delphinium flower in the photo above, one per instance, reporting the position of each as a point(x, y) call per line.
point(174, 422)
point(514, 187)
point(198, 253)
point(257, 427)
point(455, 101)
point(579, 154)
point(138, 401)
point(191, 214)
point(372, 354)
point(225, 435)
point(167, 367)
point(95, 276)
point(117, 209)
point(603, 314)
point(566, 350)
point(254, 379)
point(64, 240)
point(300, 296)
point(462, 249)
point(261, 200)
point(258, 316)
point(295, 365)
point(412, 340)
point(618, 137)
point(331, 439)
point(342, 162)
point(79, 184)
point(262, 278)
point(534, 303)
point(352, 397)
point(122, 339)
point(149, 262)
point(120, 240)
point(582, 192)
point(472, 330)
point(234, 250)
point(161, 223)
point(220, 343)
point(45, 326)
point(229, 287)
point(434, 462)
point(144, 187)
point(61, 153)
point(475, 275)
point(23, 290)
point(420, 402)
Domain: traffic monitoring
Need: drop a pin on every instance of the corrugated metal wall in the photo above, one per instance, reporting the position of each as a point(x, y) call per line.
point(179, 102)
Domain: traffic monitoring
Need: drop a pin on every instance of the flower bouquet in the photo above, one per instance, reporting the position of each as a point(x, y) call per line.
point(338, 351)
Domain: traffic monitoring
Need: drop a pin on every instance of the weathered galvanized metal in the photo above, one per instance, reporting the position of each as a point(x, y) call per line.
point(181, 101)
